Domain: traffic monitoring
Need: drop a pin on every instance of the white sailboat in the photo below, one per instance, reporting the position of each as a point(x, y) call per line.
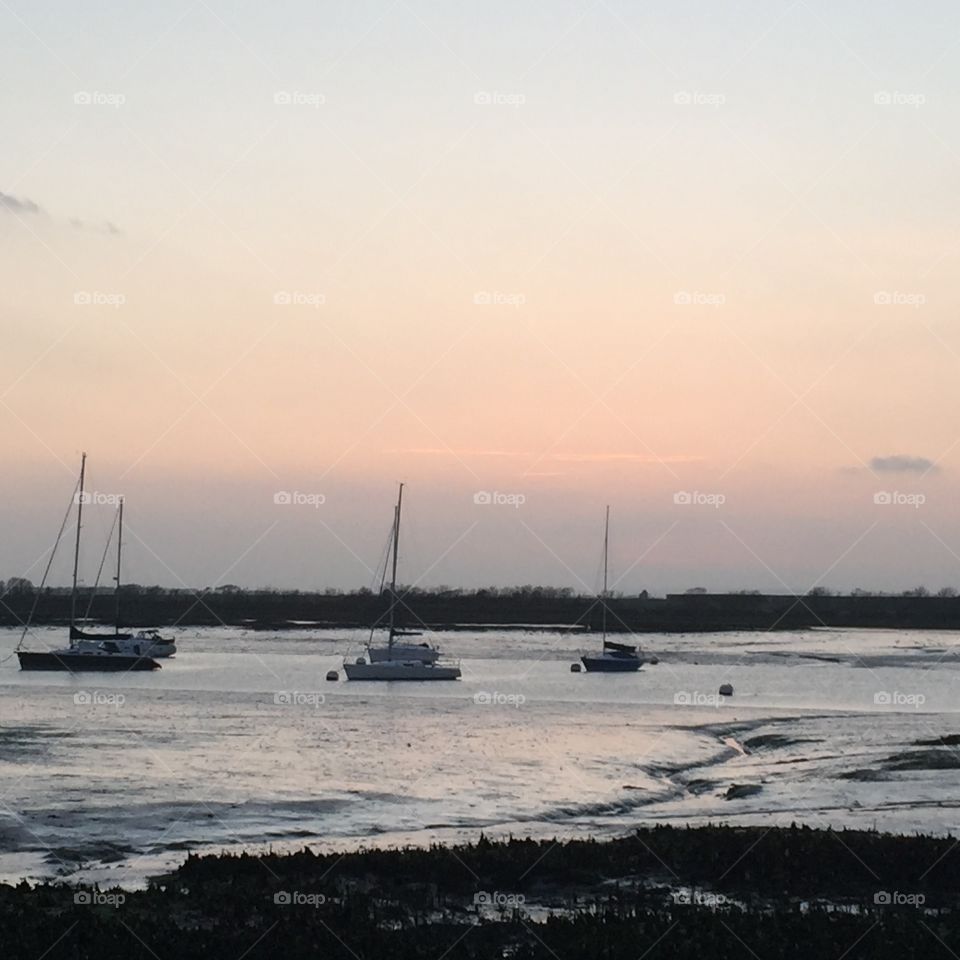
point(399, 661)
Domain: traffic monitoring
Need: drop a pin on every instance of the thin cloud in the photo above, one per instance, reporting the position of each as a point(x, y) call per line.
point(627, 457)
point(106, 227)
point(553, 457)
point(445, 451)
point(901, 463)
point(25, 206)
point(14, 204)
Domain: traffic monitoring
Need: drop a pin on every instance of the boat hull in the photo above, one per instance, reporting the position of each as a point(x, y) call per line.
point(611, 664)
point(84, 662)
point(395, 670)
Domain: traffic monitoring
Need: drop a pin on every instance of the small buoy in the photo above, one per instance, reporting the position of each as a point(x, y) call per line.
point(333, 675)
point(574, 667)
point(654, 660)
point(726, 690)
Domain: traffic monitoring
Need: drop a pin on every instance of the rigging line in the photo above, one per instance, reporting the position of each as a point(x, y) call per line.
point(46, 572)
point(103, 560)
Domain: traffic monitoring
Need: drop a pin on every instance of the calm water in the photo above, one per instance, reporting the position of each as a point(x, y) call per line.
point(240, 741)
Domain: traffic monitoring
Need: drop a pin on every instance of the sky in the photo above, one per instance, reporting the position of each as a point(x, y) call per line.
point(693, 260)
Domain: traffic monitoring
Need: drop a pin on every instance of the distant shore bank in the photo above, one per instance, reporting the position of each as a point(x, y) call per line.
point(541, 608)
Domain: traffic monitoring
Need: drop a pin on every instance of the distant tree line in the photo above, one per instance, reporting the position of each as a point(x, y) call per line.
point(449, 607)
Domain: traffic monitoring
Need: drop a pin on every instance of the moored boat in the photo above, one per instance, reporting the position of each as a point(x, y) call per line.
point(614, 657)
point(116, 652)
point(399, 661)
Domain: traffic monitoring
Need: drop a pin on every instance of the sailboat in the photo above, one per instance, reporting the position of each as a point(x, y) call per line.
point(615, 657)
point(147, 643)
point(399, 661)
point(86, 652)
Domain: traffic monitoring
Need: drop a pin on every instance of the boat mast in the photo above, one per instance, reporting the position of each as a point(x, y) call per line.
point(606, 544)
point(76, 549)
point(116, 627)
point(393, 575)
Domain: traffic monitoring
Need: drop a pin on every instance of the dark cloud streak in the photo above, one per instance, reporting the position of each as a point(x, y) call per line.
point(901, 463)
point(17, 205)
point(24, 205)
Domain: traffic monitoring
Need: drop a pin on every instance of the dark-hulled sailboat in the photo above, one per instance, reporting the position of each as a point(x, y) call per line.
point(615, 657)
point(87, 651)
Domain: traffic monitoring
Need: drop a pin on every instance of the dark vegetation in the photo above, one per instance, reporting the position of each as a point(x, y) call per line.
point(446, 607)
point(718, 892)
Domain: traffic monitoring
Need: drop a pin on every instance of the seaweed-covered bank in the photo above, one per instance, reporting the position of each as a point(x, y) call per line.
point(665, 892)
